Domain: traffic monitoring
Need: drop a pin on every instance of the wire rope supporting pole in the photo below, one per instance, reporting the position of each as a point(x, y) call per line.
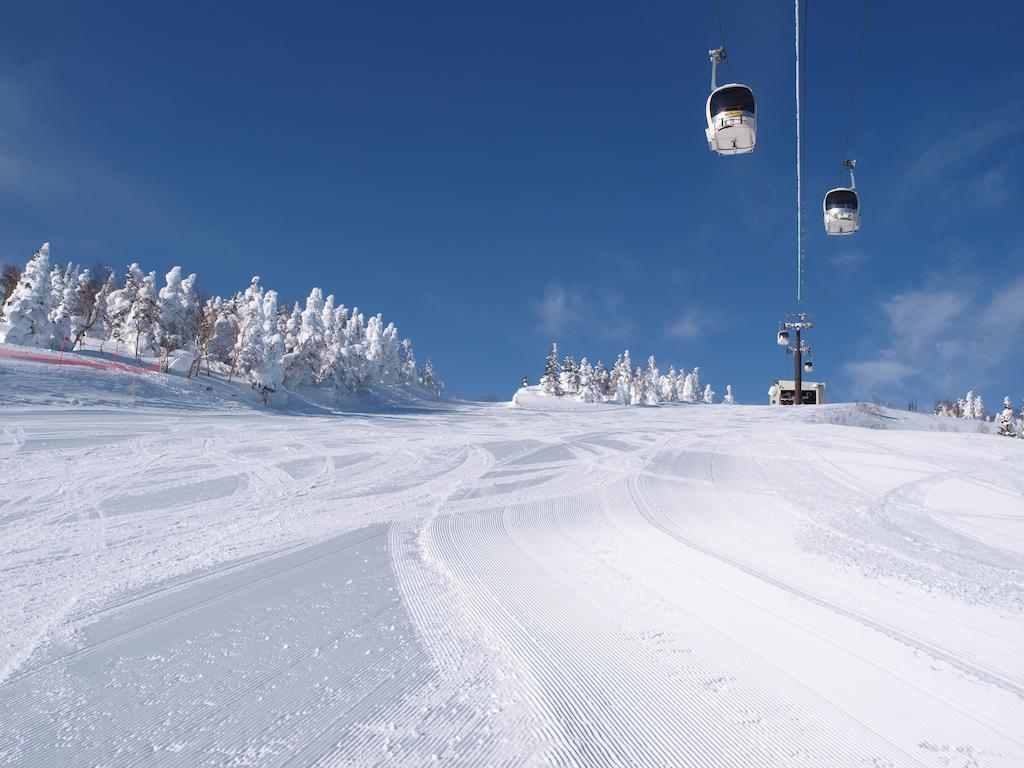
point(856, 83)
point(799, 193)
point(750, 170)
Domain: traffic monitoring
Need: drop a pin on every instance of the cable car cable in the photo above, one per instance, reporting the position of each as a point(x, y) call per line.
point(799, 191)
point(856, 82)
point(721, 37)
point(750, 168)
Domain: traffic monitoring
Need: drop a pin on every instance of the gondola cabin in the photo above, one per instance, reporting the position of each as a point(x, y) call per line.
point(732, 121)
point(842, 211)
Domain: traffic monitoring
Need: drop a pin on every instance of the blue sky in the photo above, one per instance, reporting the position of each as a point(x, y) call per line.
point(493, 177)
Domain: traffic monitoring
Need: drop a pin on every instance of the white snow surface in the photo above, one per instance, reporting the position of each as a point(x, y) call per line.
point(195, 581)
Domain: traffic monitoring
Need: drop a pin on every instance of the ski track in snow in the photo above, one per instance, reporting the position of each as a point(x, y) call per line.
point(483, 585)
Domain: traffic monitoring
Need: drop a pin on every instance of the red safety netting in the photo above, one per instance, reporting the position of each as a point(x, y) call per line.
point(54, 359)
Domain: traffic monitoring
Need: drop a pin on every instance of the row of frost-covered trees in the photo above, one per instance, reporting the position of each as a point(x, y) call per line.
point(1008, 422)
point(249, 335)
point(623, 384)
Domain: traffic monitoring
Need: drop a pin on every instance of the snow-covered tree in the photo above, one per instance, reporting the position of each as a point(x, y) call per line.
point(226, 326)
point(407, 363)
point(178, 312)
point(1005, 420)
point(145, 316)
point(621, 383)
point(588, 391)
point(602, 380)
point(971, 407)
point(979, 408)
point(390, 364)
point(302, 366)
point(63, 291)
point(550, 382)
point(122, 308)
point(291, 329)
point(709, 394)
point(430, 380)
point(354, 370)
point(9, 278)
point(667, 386)
point(374, 349)
point(569, 378)
point(27, 310)
point(249, 347)
point(728, 399)
point(691, 386)
point(205, 324)
point(58, 281)
point(652, 382)
point(638, 388)
point(91, 304)
point(268, 376)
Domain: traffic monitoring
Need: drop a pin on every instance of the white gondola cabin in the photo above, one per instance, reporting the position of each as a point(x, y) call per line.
point(731, 114)
point(782, 339)
point(841, 207)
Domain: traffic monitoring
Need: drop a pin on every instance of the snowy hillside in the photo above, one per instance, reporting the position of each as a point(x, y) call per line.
point(196, 581)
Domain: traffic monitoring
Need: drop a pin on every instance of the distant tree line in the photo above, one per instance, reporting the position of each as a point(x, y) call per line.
point(1008, 422)
point(623, 384)
point(249, 335)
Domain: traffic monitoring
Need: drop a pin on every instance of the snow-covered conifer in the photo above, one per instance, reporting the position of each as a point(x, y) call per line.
point(690, 386)
point(652, 382)
point(967, 407)
point(354, 339)
point(622, 379)
point(175, 328)
point(667, 386)
point(550, 382)
point(430, 380)
point(58, 281)
point(979, 408)
point(638, 388)
point(94, 302)
point(250, 348)
point(291, 329)
point(407, 363)
point(601, 379)
point(374, 349)
point(1005, 418)
point(63, 295)
point(268, 376)
point(302, 366)
point(121, 305)
point(9, 278)
point(709, 394)
point(144, 317)
point(27, 309)
point(728, 399)
point(391, 365)
point(587, 392)
point(569, 377)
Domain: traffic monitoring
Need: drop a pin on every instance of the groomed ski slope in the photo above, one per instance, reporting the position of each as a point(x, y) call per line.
point(196, 582)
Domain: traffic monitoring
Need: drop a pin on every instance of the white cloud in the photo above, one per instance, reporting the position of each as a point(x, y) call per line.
point(875, 376)
point(940, 337)
point(688, 326)
point(558, 309)
point(945, 153)
point(849, 258)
